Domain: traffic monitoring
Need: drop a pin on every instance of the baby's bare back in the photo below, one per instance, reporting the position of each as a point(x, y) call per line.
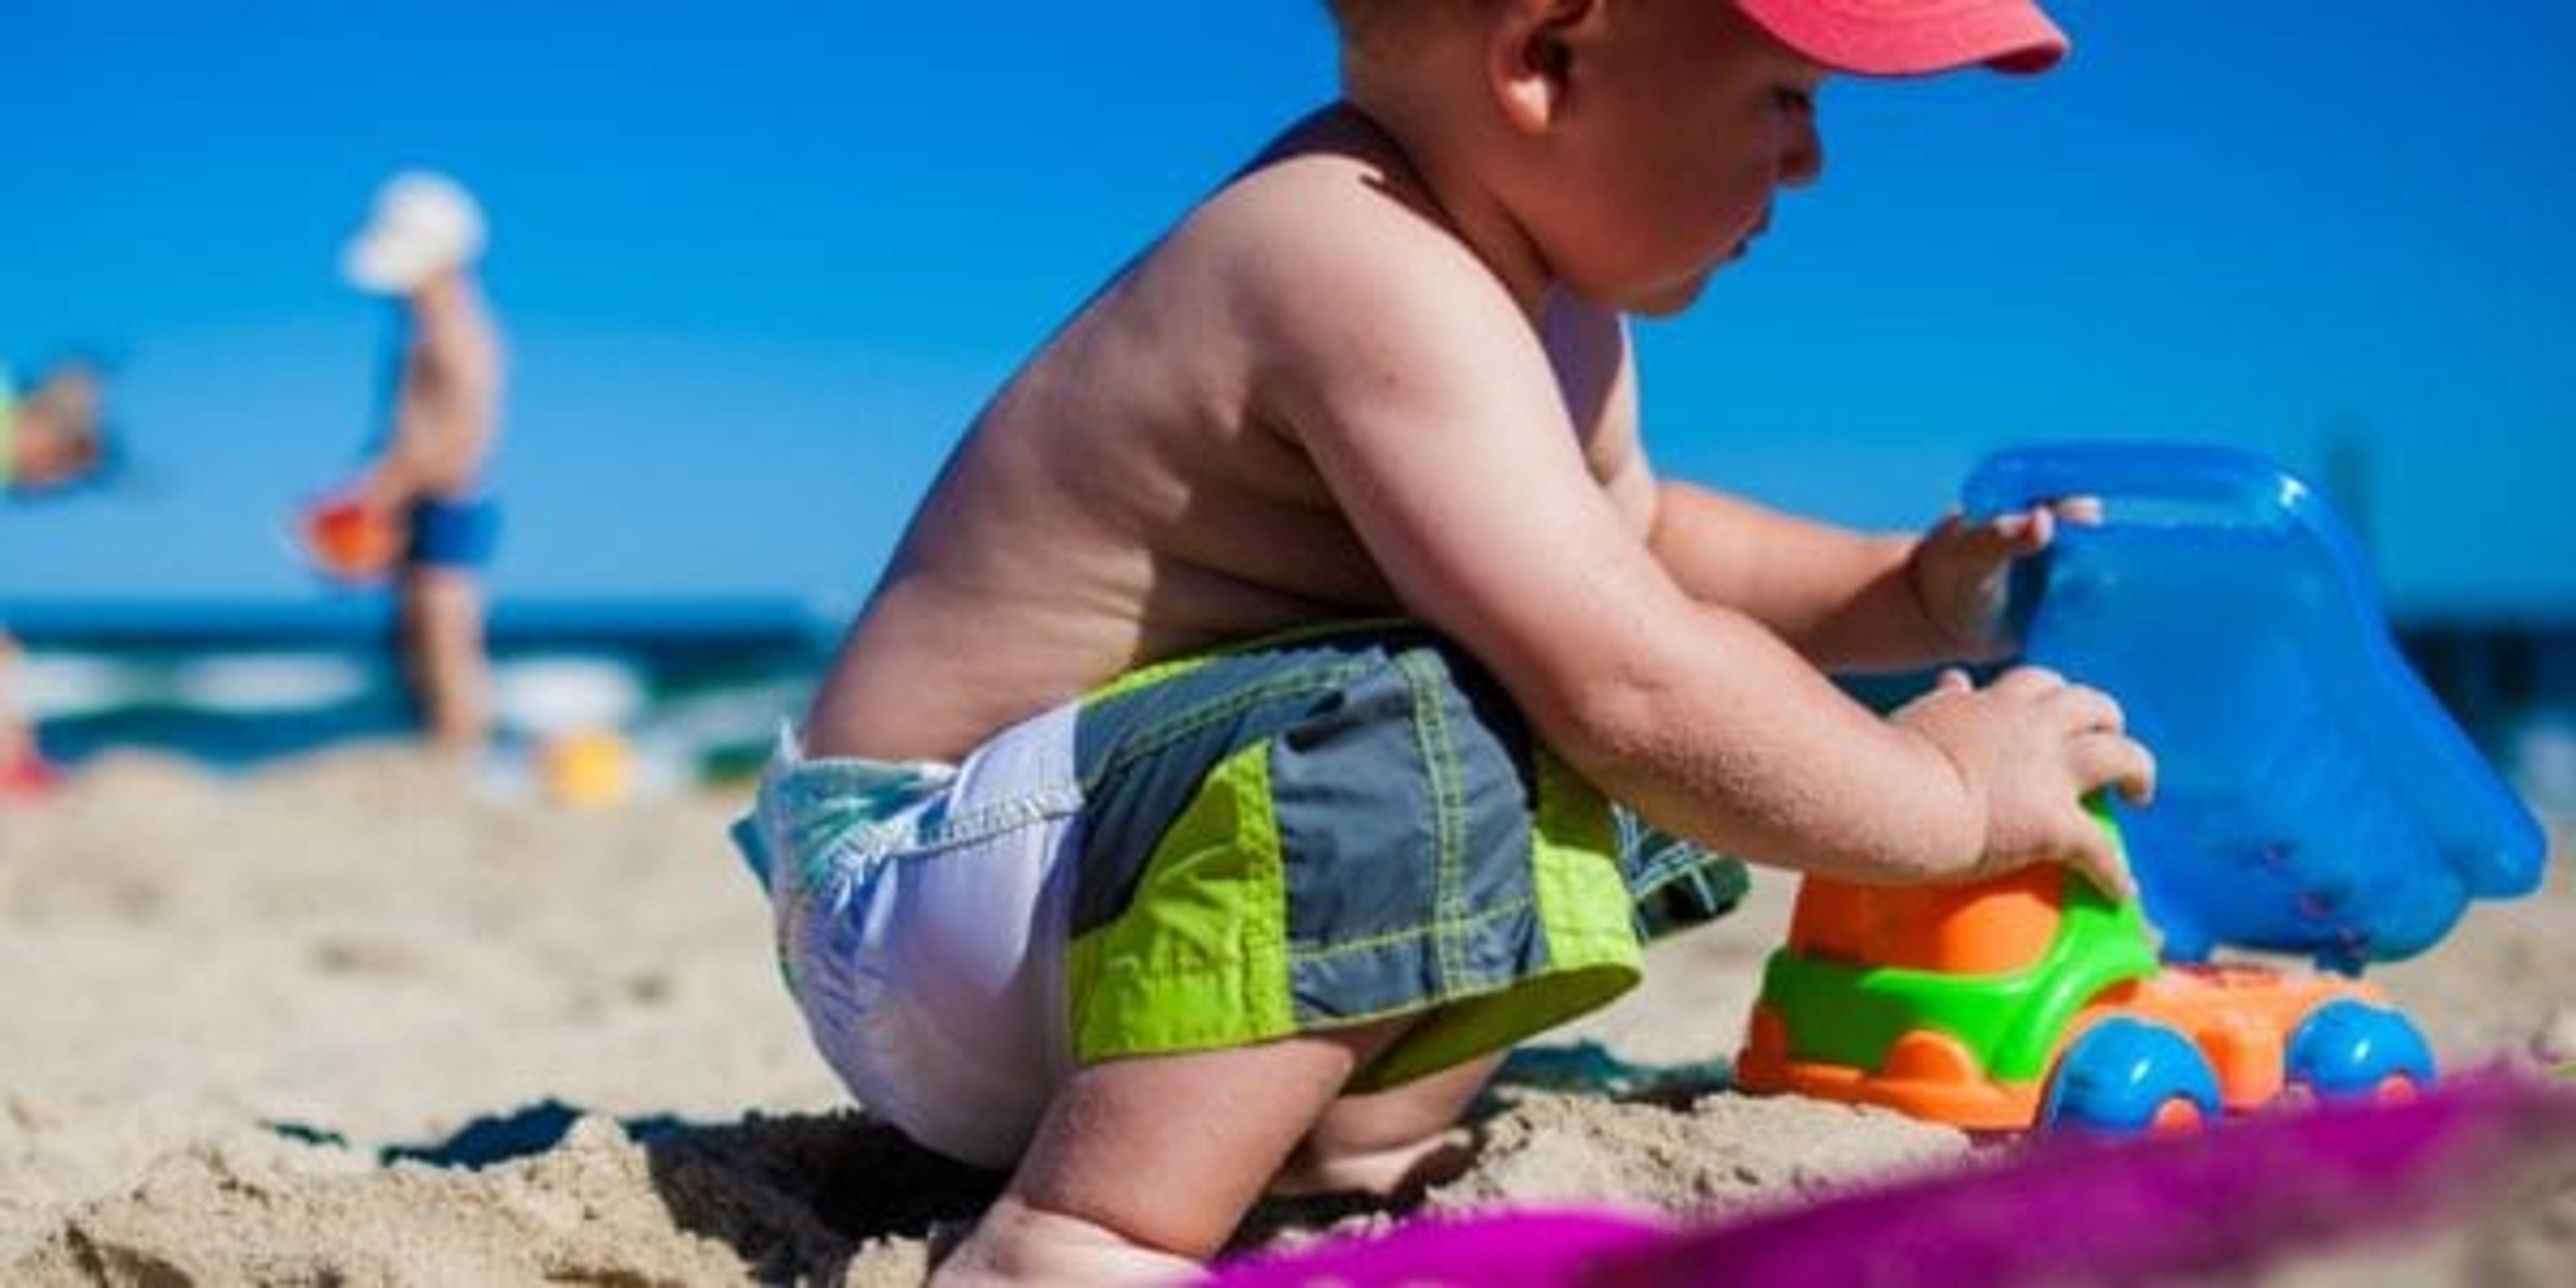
point(1087, 526)
point(1126, 498)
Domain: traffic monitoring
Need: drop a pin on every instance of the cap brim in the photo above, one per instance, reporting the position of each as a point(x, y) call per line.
point(1913, 37)
point(396, 260)
point(383, 265)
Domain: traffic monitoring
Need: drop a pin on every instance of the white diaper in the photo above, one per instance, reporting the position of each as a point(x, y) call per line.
point(921, 924)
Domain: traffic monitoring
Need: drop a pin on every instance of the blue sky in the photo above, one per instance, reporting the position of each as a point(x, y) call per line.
point(761, 262)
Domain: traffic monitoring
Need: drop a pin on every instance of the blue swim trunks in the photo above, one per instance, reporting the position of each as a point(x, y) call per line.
point(1297, 835)
point(453, 532)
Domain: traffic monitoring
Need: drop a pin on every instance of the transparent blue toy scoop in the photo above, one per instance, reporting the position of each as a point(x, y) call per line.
point(2312, 795)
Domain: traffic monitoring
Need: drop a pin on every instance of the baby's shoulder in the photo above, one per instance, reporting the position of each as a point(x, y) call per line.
point(1323, 286)
point(1325, 235)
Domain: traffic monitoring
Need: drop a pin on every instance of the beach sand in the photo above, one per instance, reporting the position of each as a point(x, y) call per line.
point(351, 1020)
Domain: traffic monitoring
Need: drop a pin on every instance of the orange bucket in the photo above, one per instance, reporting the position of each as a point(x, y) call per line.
point(350, 540)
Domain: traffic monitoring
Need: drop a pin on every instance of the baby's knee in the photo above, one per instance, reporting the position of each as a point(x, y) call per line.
point(1390, 1142)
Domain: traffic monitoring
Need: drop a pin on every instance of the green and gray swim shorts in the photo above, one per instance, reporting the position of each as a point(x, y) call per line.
point(1300, 834)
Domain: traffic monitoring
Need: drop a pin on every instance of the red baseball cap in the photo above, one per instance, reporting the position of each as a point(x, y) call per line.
point(1912, 37)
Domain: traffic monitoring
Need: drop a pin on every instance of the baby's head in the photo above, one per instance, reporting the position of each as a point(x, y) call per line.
point(1861, 37)
point(1636, 145)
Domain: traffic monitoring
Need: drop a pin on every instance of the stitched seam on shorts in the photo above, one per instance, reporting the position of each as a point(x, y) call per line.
point(1161, 734)
point(1391, 938)
point(1442, 772)
point(1350, 947)
point(1445, 997)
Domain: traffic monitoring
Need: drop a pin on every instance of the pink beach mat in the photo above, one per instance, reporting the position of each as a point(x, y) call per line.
point(2221, 1203)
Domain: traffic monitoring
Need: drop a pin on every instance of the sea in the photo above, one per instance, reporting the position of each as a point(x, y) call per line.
point(697, 689)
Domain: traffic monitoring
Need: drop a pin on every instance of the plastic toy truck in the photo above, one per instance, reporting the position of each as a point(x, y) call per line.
point(2313, 799)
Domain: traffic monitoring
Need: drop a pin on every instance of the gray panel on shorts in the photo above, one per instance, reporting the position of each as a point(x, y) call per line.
point(1404, 820)
point(1143, 754)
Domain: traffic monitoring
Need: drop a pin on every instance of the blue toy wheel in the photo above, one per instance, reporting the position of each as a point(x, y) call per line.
point(2348, 1050)
point(2121, 1074)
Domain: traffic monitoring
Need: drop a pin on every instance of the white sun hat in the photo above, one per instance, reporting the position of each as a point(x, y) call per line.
point(423, 224)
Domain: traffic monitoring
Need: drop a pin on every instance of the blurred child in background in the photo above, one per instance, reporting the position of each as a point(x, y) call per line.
point(416, 510)
point(51, 438)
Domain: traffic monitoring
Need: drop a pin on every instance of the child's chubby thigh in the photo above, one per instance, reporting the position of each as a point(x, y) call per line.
point(1305, 834)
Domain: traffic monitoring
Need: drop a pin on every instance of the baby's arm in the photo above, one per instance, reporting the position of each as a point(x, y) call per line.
point(1426, 402)
point(1845, 600)
point(1849, 600)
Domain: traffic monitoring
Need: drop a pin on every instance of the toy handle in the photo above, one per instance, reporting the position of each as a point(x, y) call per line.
point(2138, 482)
point(2169, 485)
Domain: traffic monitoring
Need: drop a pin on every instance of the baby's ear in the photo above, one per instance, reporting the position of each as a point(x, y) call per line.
point(1530, 57)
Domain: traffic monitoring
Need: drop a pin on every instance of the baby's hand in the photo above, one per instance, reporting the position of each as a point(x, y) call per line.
point(1959, 569)
point(2031, 746)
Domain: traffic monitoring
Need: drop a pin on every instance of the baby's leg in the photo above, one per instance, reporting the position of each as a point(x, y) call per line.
point(1383, 1142)
point(1143, 1166)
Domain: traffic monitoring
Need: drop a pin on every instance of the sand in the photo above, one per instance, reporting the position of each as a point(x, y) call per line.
point(352, 1020)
